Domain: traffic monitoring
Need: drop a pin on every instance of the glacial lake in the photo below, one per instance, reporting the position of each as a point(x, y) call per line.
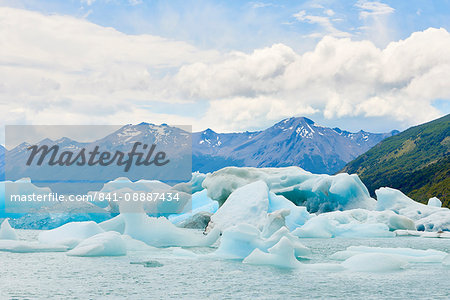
point(160, 274)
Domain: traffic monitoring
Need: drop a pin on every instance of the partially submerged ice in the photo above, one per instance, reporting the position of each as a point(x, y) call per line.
point(7, 232)
point(239, 241)
point(102, 244)
point(70, 234)
point(425, 217)
point(282, 254)
point(319, 193)
point(160, 232)
point(374, 262)
point(406, 254)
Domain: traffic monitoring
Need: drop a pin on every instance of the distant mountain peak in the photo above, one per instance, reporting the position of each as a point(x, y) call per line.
point(293, 141)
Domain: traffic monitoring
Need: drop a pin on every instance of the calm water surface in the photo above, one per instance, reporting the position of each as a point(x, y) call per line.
point(57, 276)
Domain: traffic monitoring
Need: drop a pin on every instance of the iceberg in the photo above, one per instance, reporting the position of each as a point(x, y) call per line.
point(102, 244)
point(248, 204)
point(401, 232)
point(436, 234)
point(425, 217)
point(325, 226)
point(239, 241)
point(70, 234)
point(160, 232)
point(7, 232)
point(374, 262)
point(319, 193)
point(407, 254)
point(389, 218)
point(280, 255)
point(435, 202)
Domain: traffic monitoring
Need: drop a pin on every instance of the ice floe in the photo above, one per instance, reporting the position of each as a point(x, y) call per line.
point(160, 232)
point(282, 254)
point(239, 241)
point(7, 232)
point(407, 254)
point(435, 202)
point(374, 262)
point(70, 234)
point(425, 217)
point(102, 244)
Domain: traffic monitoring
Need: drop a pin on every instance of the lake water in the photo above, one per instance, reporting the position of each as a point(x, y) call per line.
point(57, 276)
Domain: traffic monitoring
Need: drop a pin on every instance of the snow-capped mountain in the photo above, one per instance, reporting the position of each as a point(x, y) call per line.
point(294, 141)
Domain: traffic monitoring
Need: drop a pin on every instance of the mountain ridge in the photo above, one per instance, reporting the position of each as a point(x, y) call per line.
point(416, 161)
point(294, 141)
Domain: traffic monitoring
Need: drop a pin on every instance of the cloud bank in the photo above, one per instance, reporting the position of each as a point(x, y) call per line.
point(62, 70)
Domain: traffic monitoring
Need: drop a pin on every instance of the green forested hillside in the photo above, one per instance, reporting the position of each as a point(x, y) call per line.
point(416, 161)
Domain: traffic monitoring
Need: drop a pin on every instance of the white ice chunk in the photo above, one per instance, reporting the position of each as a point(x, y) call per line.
point(70, 234)
point(435, 202)
point(436, 234)
point(402, 232)
point(248, 204)
point(160, 232)
point(280, 255)
point(351, 224)
point(374, 262)
point(239, 241)
point(7, 232)
point(407, 254)
point(102, 244)
point(425, 217)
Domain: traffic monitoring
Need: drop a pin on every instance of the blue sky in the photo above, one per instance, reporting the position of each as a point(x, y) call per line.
point(244, 25)
point(228, 65)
